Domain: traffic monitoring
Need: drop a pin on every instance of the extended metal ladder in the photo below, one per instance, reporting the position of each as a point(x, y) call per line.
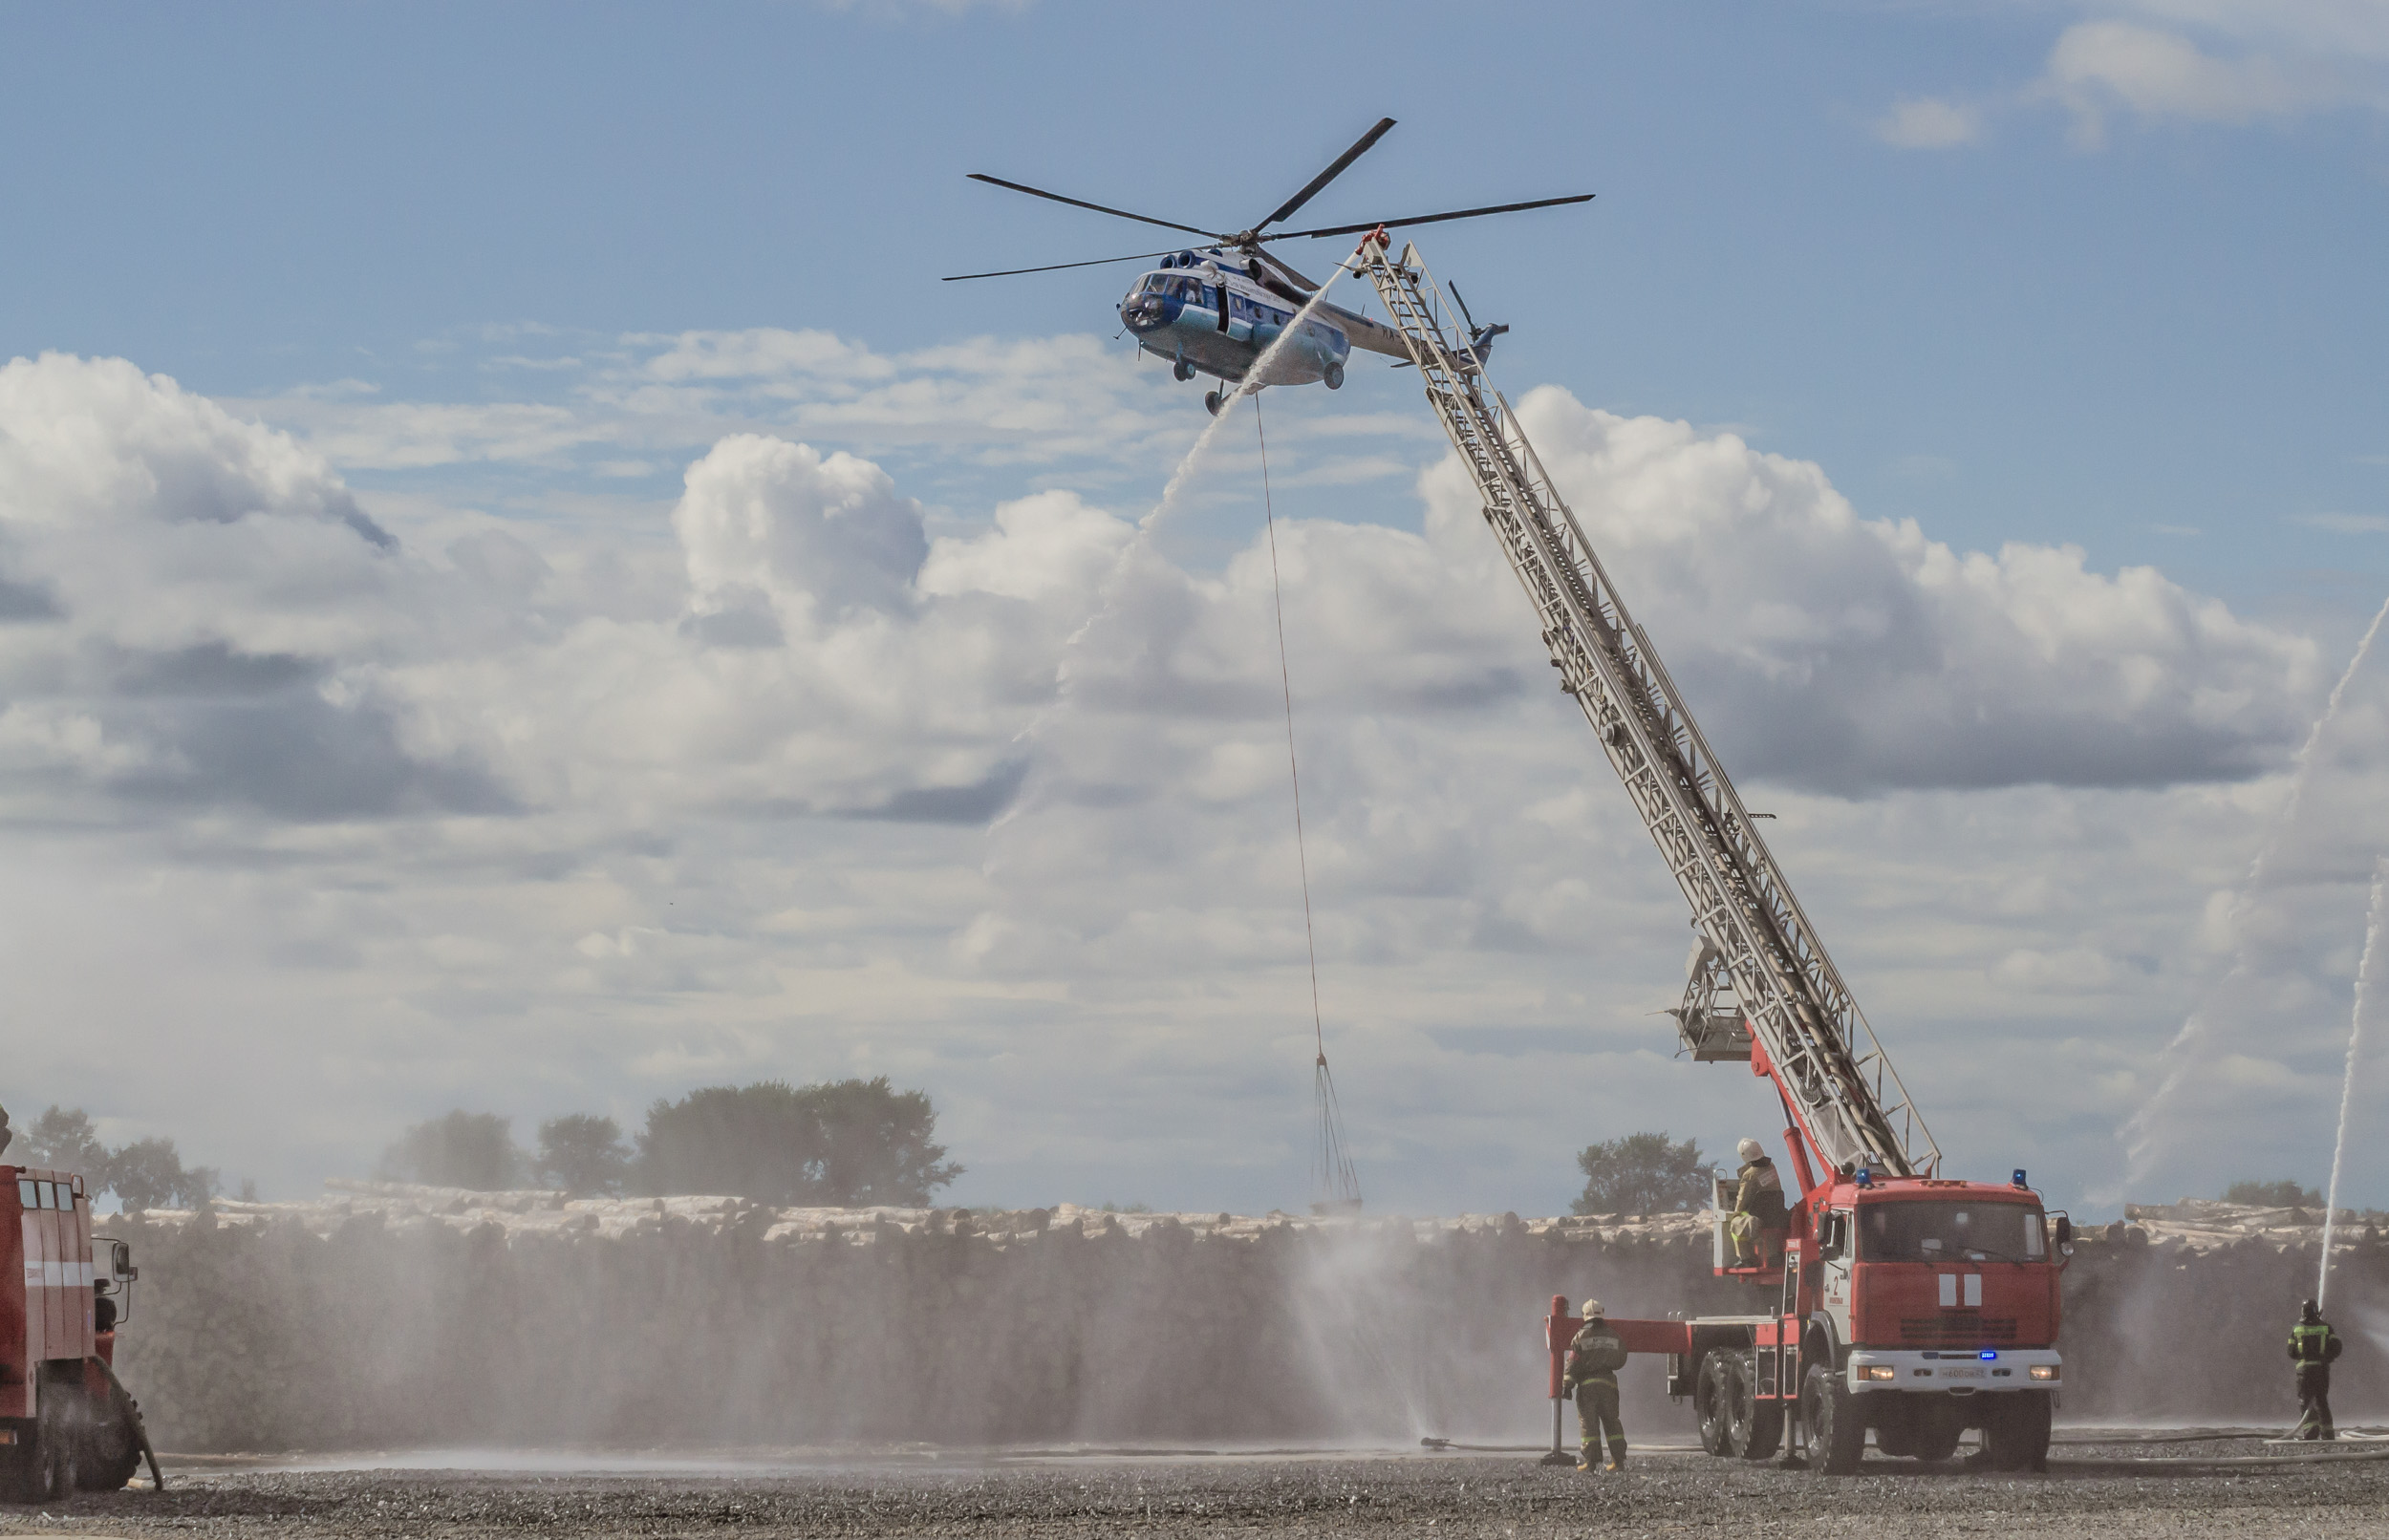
point(1843, 1090)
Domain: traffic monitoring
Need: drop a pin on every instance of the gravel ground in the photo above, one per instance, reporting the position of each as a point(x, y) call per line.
point(1664, 1493)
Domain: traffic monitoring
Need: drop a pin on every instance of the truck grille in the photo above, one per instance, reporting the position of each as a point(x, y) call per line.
point(1962, 1328)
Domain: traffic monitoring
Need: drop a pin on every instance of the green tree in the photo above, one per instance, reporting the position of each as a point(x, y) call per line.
point(473, 1150)
point(845, 1144)
point(149, 1174)
point(877, 1144)
point(62, 1138)
point(1642, 1174)
point(2284, 1194)
point(583, 1154)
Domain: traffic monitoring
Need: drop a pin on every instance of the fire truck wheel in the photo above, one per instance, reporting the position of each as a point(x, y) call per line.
point(1712, 1400)
point(111, 1452)
point(2015, 1434)
point(43, 1471)
point(1936, 1437)
point(1758, 1424)
point(1836, 1434)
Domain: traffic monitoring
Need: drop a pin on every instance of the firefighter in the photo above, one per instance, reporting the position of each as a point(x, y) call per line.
point(2312, 1345)
point(1594, 1359)
point(1757, 1204)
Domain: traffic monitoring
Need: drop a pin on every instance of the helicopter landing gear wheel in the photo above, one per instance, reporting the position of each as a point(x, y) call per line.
point(1334, 379)
point(1213, 401)
point(1183, 369)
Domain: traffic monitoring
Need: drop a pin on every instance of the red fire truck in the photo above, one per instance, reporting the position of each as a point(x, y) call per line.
point(66, 1422)
point(1897, 1302)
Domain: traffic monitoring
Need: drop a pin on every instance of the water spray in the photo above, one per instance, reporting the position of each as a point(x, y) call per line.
point(1108, 594)
point(2135, 1131)
point(2347, 1089)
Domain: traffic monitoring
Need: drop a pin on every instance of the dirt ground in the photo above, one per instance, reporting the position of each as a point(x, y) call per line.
point(1079, 1493)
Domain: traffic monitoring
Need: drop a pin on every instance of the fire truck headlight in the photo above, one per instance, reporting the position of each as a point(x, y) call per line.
point(1877, 1371)
point(2044, 1371)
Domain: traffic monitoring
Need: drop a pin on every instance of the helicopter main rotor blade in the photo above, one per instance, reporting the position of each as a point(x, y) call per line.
point(1287, 269)
point(1430, 219)
point(1286, 210)
point(1469, 320)
point(1081, 202)
point(1057, 266)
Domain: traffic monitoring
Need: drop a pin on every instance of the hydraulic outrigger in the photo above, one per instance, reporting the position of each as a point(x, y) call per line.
point(1910, 1306)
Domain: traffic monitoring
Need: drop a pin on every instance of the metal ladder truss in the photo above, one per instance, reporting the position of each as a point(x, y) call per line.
point(1849, 1098)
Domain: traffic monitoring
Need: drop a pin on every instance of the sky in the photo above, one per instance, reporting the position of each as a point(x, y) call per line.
point(520, 589)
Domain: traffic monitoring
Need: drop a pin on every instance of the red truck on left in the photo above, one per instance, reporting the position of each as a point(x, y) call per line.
point(66, 1422)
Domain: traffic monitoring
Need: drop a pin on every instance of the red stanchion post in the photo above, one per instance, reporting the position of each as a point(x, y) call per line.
point(1560, 1329)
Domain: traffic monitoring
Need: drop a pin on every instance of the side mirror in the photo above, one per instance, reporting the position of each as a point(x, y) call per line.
point(2065, 1230)
point(112, 1273)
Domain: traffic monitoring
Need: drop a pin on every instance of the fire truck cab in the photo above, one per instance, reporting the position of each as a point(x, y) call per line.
point(1912, 1307)
point(66, 1422)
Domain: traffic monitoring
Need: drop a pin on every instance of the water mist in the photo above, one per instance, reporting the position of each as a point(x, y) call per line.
point(2138, 1130)
point(2347, 1087)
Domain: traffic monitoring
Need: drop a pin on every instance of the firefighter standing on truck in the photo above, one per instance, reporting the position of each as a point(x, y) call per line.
point(1757, 1204)
point(1594, 1359)
point(2312, 1345)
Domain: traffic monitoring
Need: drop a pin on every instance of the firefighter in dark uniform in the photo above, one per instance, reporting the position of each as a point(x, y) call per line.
point(1759, 1204)
point(1594, 1359)
point(2313, 1346)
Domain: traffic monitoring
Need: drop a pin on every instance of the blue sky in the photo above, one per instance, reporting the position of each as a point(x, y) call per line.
point(519, 279)
point(2013, 338)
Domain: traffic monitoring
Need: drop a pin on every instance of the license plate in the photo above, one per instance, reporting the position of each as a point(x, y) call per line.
point(1968, 1373)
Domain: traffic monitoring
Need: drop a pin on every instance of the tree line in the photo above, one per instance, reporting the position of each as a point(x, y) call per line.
point(839, 1143)
point(147, 1174)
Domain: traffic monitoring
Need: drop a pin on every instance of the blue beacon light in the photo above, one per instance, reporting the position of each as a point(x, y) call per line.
point(2018, 1178)
point(1986, 1358)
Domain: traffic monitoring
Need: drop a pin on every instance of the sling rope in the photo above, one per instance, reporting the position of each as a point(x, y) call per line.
point(1334, 1180)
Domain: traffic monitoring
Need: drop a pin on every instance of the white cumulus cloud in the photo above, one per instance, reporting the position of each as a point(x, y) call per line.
point(598, 813)
point(1929, 124)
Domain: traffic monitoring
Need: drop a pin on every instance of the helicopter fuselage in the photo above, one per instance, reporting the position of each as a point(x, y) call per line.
point(1177, 312)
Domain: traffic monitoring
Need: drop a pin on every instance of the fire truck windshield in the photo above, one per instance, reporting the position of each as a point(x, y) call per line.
point(1942, 1231)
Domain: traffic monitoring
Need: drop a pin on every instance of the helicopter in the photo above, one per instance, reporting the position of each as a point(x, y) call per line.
point(1215, 307)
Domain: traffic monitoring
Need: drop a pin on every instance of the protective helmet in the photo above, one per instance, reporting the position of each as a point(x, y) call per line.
point(1751, 1149)
point(1592, 1311)
point(2309, 1310)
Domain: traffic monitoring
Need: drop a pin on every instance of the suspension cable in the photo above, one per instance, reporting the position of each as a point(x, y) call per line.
point(1336, 1180)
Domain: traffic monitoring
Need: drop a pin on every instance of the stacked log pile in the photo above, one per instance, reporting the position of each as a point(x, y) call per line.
point(2182, 1312)
point(382, 1317)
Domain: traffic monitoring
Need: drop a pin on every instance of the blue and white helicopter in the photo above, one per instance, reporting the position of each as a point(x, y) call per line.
point(1214, 309)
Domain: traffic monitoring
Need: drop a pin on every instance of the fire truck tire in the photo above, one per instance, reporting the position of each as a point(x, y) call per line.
point(1836, 1434)
point(1758, 1425)
point(1712, 1400)
point(1935, 1438)
point(111, 1451)
point(2015, 1435)
point(44, 1469)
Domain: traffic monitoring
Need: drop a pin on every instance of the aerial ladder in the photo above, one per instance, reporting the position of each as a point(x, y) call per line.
point(1910, 1306)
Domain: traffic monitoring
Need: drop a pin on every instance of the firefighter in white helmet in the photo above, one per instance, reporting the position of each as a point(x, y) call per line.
point(1594, 1359)
point(1758, 1205)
